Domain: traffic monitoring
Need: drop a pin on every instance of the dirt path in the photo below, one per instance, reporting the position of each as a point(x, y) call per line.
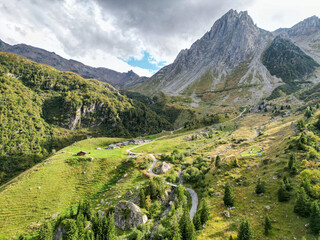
point(193, 194)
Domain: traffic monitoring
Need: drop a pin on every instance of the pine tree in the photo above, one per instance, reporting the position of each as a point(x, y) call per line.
point(109, 228)
point(315, 218)
point(306, 185)
point(302, 205)
point(260, 187)
point(217, 163)
point(197, 221)
point(245, 232)
point(228, 196)
point(186, 226)
point(292, 160)
point(142, 199)
point(294, 170)
point(46, 232)
point(267, 225)
point(287, 183)
point(175, 230)
point(236, 162)
point(148, 202)
point(204, 213)
point(283, 194)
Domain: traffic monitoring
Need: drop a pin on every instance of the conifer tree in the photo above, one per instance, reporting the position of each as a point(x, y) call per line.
point(46, 232)
point(245, 232)
point(236, 162)
point(228, 196)
point(148, 202)
point(292, 160)
point(283, 194)
point(175, 230)
point(302, 205)
point(315, 218)
point(260, 187)
point(287, 183)
point(204, 213)
point(197, 221)
point(267, 225)
point(142, 199)
point(109, 228)
point(217, 163)
point(307, 186)
point(186, 226)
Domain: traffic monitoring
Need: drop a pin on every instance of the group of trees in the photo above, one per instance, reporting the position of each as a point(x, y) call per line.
point(176, 157)
point(82, 225)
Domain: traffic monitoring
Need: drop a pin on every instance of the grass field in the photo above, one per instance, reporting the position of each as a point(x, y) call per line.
point(63, 180)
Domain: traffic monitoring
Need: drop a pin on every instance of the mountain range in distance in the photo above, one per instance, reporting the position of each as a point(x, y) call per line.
point(226, 67)
point(117, 79)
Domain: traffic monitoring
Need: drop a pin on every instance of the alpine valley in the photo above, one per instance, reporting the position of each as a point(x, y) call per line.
point(223, 143)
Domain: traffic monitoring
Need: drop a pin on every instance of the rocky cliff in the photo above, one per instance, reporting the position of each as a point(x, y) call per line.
point(223, 67)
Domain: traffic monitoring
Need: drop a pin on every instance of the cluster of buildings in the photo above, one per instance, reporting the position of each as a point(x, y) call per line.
point(126, 143)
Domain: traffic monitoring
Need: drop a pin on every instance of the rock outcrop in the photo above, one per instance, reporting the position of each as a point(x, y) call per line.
point(128, 215)
point(163, 168)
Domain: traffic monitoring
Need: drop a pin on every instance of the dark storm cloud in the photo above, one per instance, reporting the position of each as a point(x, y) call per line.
point(161, 27)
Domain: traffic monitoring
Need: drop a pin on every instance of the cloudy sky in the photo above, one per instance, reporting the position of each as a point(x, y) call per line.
point(142, 35)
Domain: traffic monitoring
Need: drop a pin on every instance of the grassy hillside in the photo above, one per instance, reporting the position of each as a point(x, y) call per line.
point(63, 180)
point(43, 109)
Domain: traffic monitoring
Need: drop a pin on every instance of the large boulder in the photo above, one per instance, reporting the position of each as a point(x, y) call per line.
point(128, 215)
point(163, 168)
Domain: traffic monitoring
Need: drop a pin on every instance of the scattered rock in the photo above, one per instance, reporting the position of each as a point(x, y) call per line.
point(101, 201)
point(125, 175)
point(84, 172)
point(127, 215)
point(267, 207)
point(218, 194)
point(275, 177)
point(226, 214)
point(39, 187)
point(120, 180)
point(163, 168)
point(115, 167)
point(307, 225)
point(54, 215)
point(98, 148)
point(90, 159)
point(128, 194)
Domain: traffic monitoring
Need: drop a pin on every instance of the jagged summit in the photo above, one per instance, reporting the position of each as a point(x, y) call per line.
point(233, 40)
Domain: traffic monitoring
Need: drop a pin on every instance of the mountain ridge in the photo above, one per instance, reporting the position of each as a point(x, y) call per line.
point(117, 79)
point(227, 59)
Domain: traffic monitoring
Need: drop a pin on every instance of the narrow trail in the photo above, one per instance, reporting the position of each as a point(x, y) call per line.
point(193, 194)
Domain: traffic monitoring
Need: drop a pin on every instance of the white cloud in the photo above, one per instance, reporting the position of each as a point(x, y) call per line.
point(99, 32)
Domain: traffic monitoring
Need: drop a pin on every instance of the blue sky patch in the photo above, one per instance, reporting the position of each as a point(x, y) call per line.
point(147, 62)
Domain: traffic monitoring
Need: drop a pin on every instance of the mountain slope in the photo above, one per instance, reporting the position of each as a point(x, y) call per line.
point(224, 63)
point(43, 109)
point(306, 35)
point(117, 79)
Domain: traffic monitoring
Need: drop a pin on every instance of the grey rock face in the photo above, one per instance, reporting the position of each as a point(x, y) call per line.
point(128, 215)
point(163, 168)
point(233, 40)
